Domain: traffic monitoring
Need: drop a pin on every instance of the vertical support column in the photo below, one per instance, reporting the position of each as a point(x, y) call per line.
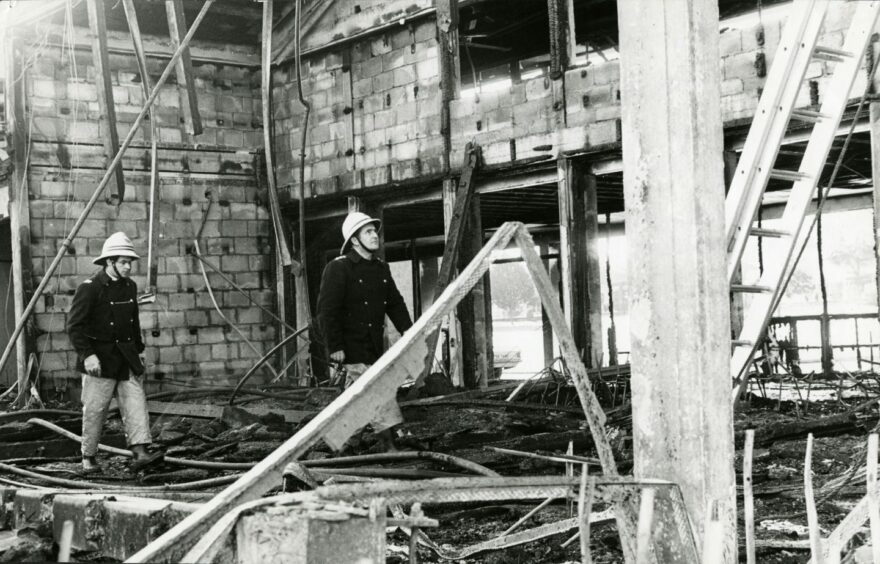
point(593, 267)
point(472, 309)
point(19, 210)
point(736, 298)
point(573, 253)
point(679, 308)
point(557, 11)
point(450, 69)
point(875, 174)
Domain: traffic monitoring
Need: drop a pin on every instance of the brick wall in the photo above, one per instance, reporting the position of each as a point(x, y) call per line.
point(375, 113)
point(186, 338)
point(394, 129)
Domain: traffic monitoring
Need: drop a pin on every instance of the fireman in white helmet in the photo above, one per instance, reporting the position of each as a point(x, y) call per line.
point(357, 292)
point(104, 329)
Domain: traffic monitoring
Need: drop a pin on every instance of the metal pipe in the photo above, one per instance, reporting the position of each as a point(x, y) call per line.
point(204, 464)
point(266, 357)
point(65, 245)
point(211, 482)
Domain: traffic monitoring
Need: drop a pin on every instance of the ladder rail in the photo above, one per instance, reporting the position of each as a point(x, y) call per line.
point(802, 192)
point(769, 126)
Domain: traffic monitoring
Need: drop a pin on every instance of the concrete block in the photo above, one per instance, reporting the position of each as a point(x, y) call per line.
point(131, 524)
point(607, 73)
point(428, 71)
point(731, 86)
point(537, 88)
point(82, 91)
point(403, 76)
point(730, 41)
point(32, 508)
point(603, 132)
point(293, 535)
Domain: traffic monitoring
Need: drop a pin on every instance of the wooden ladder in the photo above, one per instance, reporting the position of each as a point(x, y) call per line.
point(798, 47)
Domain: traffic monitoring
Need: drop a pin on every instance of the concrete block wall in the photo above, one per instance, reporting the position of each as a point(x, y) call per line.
point(187, 340)
point(532, 118)
point(375, 113)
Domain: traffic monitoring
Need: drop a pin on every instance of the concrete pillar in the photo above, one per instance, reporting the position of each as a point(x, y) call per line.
point(679, 309)
point(294, 534)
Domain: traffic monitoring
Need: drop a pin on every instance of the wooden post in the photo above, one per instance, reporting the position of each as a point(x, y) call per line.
point(19, 208)
point(185, 78)
point(450, 70)
point(679, 309)
point(573, 253)
point(472, 311)
point(101, 59)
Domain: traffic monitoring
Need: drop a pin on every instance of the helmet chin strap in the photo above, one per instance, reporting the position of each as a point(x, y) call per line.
point(361, 243)
point(116, 270)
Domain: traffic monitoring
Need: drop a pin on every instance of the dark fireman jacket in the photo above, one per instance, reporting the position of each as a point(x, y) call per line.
point(103, 320)
point(354, 298)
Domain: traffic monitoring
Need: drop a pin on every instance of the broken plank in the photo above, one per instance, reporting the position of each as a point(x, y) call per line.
point(353, 409)
point(185, 80)
point(101, 60)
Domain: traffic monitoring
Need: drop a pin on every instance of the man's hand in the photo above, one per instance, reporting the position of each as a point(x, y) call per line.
point(92, 365)
point(338, 357)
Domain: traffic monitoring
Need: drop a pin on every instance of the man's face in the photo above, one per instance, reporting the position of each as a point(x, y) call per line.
point(123, 266)
point(369, 237)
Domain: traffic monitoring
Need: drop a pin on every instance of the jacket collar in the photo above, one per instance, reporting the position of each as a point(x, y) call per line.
point(356, 257)
point(104, 279)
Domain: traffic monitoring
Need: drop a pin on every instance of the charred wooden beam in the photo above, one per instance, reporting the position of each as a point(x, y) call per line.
point(109, 133)
point(177, 29)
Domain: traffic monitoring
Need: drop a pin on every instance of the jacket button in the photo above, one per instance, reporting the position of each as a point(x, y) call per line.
point(111, 323)
point(365, 302)
point(361, 281)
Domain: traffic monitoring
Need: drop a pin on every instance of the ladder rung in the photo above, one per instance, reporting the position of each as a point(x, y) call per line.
point(810, 116)
point(750, 289)
point(830, 53)
point(761, 232)
point(741, 343)
point(788, 175)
